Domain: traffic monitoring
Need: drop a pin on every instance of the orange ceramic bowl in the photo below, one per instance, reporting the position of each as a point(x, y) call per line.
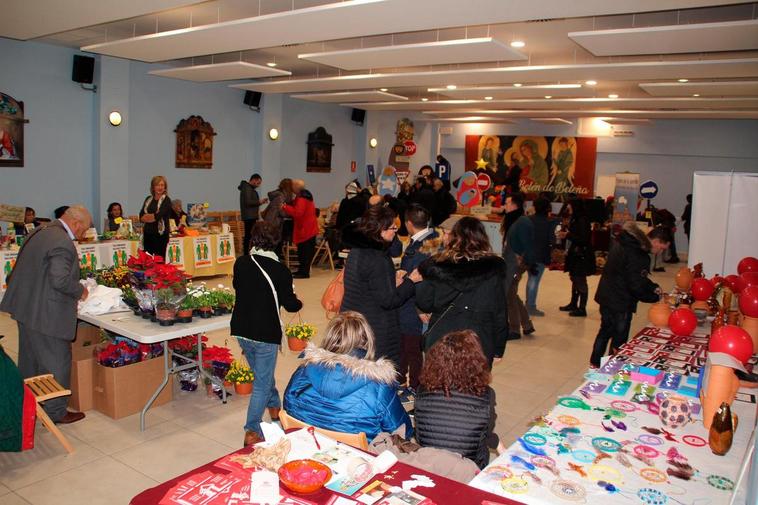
point(304, 476)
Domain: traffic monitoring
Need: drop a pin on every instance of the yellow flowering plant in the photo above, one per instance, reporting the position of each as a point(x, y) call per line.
point(301, 331)
point(239, 373)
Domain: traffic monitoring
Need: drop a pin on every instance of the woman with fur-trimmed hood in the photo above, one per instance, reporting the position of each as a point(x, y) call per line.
point(340, 387)
point(464, 289)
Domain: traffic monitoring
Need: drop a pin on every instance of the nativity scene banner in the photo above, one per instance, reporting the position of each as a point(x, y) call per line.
point(564, 166)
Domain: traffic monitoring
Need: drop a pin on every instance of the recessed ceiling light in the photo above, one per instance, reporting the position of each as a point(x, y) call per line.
point(590, 83)
point(613, 95)
point(518, 43)
point(451, 86)
point(516, 84)
point(696, 94)
point(382, 89)
point(488, 98)
point(683, 80)
point(424, 99)
point(271, 64)
point(548, 96)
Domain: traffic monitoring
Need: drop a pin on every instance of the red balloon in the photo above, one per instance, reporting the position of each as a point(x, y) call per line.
point(735, 283)
point(733, 341)
point(682, 322)
point(749, 301)
point(716, 280)
point(750, 278)
point(747, 264)
point(701, 289)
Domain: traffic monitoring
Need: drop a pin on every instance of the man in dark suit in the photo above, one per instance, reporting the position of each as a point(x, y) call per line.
point(43, 291)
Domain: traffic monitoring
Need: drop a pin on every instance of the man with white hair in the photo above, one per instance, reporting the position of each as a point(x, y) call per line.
point(43, 291)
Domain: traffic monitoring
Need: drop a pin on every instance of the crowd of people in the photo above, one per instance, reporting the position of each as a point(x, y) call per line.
point(432, 329)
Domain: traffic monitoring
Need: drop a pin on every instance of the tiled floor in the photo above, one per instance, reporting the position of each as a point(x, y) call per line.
point(114, 460)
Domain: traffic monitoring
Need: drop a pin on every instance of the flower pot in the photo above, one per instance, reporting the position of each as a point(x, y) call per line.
point(228, 384)
point(206, 312)
point(296, 344)
point(659, 313)
point(750, 325)
point(684, 279)
point(165, 313)
point(245, 388)
point(184, 315)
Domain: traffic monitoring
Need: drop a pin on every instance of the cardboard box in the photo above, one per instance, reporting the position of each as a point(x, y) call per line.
point(123, 391)
point(82, 361)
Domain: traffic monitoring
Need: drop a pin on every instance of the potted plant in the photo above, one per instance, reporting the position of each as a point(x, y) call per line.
point(242, 377)
point(223, 300)
point(184, 314)
point(298, 335)
point(203, 300)
point(169, 289)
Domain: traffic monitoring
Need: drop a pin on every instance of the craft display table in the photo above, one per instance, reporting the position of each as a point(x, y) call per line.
point(146, 332)
point(605, 443)
point(223, 481)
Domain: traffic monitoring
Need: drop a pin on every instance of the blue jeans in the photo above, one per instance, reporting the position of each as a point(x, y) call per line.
point(532, 285)
point(262, 360)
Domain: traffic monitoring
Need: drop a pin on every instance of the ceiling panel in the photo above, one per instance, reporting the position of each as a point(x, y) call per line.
point(358, 18)
point(497, 92)
point(626, 121)
point(570, 103)
point(612, 113)
point(28, 19)
point(477, 119)
point(672, 39)
point(220, 72)
point(550, 120)
point(427, 53)
point(354, 96)
point(723, 88)
point(691, 69)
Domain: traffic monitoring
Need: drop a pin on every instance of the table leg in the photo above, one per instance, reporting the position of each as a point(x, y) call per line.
point(166, 371)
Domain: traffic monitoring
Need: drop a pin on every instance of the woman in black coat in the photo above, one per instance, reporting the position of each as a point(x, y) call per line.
point(256, 323)
point(463, 289)
point(455, 407)
point(580, 258)
point(155, 213)
point(372, 286)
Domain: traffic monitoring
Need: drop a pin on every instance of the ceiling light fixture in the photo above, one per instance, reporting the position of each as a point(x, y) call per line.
point(684, 80)
point(451, 86)
point(518, 43)
point(613, 95)
point(696, 94)
point(548, 96)
point(383, 89)
point(114, 118)
point(372, 143)
point(273, 134)
point(516, 84)
point(488, 98)
point(424, 99)
point(590, 83)
point(271, 64)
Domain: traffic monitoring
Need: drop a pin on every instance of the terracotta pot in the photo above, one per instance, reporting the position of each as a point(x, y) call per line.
point(684, 278)
point(721, 388)
point(659, 313)
point(750, 325)
point(244, 388)
point(295, 344)
point(228, 384)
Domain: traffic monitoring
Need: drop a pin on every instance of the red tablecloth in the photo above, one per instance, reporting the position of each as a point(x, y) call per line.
point(445, 492)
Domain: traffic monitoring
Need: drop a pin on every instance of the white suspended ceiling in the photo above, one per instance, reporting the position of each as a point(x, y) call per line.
point(360, 18)
point(722, 88)
point(28, 19)
point(616, 113)
point(354, 96)
point(625, 121)
point(551, 120)
point(570, 103)
point(690, 69)
point(428, 53)
point(477, 119)
point(498, 92)
point(220, 72)
point(692, 38)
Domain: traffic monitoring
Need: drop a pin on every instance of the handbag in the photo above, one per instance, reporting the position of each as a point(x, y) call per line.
point(331, 300)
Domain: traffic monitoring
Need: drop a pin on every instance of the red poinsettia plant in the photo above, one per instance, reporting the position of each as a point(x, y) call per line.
point(143, 261)
point(187, 346)
point(216, 354)
point(163, 276)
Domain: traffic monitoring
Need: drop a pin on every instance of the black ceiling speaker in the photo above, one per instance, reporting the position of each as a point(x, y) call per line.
point(253, 99)
point(83, 70)
point(359, 115)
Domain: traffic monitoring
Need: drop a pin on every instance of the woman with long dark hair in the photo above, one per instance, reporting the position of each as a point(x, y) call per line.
point(580, 258)
point(372, 287)
point(455, 406)
point(114, 212)
point(463, 289)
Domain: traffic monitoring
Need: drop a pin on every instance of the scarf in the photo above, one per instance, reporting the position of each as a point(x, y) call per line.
point(264, 253)
point(161, 223)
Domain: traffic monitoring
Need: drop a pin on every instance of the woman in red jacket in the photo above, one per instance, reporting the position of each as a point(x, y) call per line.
point(303, 213)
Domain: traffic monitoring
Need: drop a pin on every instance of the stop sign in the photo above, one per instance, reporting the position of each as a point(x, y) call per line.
point(410, 147)
point(483, 182)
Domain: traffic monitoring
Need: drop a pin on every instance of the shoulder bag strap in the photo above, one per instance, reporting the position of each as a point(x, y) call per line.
point(273, 290)
point(444, 313)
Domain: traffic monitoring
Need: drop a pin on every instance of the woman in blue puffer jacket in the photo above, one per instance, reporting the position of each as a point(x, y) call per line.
point(340, 387)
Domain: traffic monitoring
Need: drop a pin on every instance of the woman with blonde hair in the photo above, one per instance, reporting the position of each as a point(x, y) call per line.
point(155, 213)
point(340, 387)
point(463, 289)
